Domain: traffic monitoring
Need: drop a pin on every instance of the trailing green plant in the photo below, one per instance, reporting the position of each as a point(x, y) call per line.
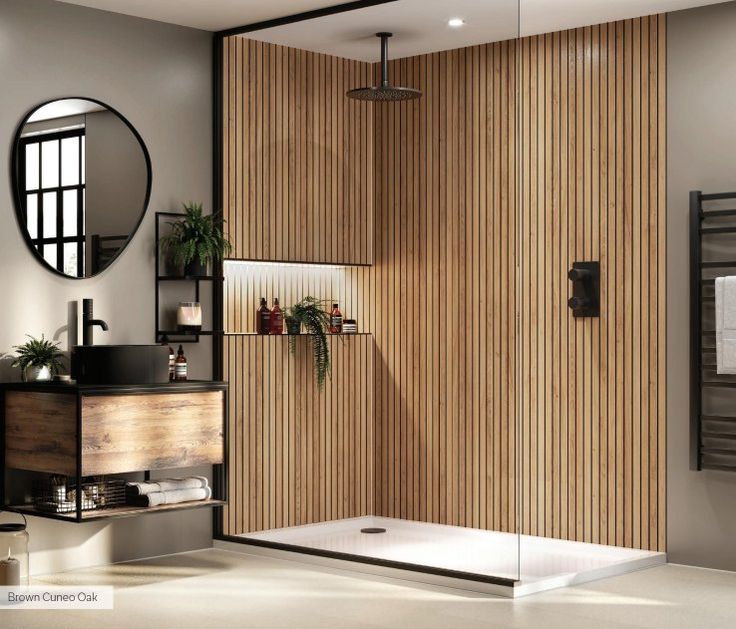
point(38, 353)
point(196, 236)
point(310, 313)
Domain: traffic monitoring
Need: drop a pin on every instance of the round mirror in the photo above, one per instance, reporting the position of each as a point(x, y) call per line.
point(82, 180)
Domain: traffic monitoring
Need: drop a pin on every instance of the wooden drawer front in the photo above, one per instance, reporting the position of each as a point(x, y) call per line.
point(41, 432)
point(126, 433)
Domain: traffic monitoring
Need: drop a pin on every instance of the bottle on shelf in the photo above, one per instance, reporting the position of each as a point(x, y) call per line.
point(335, 320)
point(277, 318)
point(180, 365)
point(172, 357)
point(263, 318)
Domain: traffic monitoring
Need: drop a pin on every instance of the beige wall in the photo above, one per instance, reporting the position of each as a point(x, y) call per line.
point(159, 77)
point(701, 128)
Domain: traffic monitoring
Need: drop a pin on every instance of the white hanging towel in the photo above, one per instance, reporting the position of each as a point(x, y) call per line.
point(726, 325)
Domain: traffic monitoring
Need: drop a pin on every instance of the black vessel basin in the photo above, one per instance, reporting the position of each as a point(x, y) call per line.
point(120, 364)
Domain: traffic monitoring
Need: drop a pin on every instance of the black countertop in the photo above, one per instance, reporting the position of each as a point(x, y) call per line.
point(177, 386)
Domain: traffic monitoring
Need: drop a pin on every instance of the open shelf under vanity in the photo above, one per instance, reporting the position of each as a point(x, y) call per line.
point(92, 439)
point(126, 511)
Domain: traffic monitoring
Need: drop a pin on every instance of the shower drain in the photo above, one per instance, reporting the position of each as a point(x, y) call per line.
point(373, 529)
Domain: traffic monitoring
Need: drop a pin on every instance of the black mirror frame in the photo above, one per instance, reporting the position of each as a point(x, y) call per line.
point(15, 184)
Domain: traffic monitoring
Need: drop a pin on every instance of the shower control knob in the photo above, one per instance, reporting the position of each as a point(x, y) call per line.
point(576, 303)
point(576, 275)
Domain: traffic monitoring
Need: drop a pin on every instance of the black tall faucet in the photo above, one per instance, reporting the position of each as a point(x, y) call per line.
point(88, 322)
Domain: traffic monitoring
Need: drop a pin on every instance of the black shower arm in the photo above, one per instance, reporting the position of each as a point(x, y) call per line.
point(384, 58)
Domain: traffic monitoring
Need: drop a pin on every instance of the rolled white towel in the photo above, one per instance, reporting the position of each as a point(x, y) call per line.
point(169, 484)
point(173, 497)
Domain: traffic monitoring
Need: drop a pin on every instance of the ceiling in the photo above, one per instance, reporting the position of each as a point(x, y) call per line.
point(63, 108)
point(419, 26)
point(209, 15)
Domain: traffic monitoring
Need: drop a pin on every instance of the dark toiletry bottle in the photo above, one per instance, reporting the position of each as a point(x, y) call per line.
point(277, 318)
point(263, 318)
point(335, 320)
point(180, 366)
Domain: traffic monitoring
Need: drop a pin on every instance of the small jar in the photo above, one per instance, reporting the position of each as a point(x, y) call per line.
point(14, 554)
point(349, 326)
point(189, 316)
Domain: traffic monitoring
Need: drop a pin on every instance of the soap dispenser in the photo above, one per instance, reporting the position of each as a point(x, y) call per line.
point(181, 365)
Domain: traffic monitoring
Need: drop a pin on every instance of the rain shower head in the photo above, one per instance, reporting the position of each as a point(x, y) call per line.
point(384, 91)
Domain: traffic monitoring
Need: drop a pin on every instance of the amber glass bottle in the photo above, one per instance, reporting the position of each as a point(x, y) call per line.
point(263, 318)
point(277, 318)
point(181, 365)
point(335, 320)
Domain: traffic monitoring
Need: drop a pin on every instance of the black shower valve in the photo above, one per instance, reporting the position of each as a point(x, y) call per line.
point(585, 280)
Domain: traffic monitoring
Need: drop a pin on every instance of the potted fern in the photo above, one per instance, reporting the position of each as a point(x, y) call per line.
point(309, 312)
point(196, 240)
point(39, 359)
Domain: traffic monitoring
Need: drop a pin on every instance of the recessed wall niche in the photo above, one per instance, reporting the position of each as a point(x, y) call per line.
point(247, 282)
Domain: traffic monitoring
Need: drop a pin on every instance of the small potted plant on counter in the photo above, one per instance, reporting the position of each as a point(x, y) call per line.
point(196, 240)
point(310, 313)
point(39, 359)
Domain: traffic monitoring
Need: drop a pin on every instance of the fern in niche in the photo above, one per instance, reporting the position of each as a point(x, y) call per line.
point(310, 313)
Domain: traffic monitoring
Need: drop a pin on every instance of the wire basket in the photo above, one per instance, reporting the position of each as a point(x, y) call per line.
point(54, 495)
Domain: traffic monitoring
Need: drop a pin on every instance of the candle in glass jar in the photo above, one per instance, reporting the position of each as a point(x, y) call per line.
point(189, 316)
point(9, 571)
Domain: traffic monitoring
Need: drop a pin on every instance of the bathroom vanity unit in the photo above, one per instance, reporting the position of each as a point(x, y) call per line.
point(97, 436)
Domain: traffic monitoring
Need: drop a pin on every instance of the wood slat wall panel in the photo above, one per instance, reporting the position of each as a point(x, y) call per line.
point(593, 121)
point(591, 107)
point(445, 245)
point(520, 158)
point(298, 180)
point(298, 455)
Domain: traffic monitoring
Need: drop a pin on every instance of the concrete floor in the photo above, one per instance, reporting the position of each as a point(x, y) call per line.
point(218, 589)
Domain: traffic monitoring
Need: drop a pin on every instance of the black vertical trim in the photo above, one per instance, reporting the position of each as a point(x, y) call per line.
point(695, 338)
point(81, 209)
point(79, 458)
point(217, 200)
point(59, 213)
point(220, 472)
point(157, 267)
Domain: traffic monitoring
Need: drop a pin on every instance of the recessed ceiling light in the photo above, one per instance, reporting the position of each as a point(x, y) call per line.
point(456, 22)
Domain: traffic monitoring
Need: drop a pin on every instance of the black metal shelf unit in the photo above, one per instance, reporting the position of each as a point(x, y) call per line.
point(178, 336)
point(712, 432)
